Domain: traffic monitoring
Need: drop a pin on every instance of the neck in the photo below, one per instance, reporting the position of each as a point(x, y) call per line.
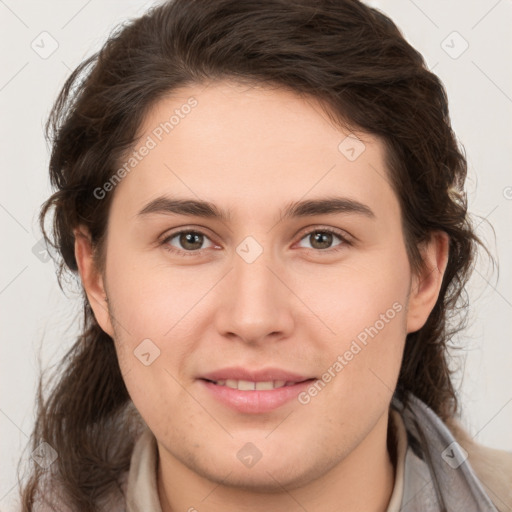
point(363, 480)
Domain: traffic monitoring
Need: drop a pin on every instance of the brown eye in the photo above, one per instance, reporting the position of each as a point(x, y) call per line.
point(191, 240)
point(185, 242)
point(323, 239)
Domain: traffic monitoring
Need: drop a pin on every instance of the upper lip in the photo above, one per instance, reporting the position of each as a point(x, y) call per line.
point(263, 375)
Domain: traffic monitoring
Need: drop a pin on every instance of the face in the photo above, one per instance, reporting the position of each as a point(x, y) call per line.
point(260, 336)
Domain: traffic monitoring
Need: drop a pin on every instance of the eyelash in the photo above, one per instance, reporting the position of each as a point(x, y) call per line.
point(345, 241)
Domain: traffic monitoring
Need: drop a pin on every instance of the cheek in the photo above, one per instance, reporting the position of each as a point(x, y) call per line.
point(352, 297)
point(151, 298)
point(365, 307)
point(153, 309)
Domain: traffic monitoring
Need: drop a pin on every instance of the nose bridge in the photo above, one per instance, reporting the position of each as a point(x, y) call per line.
point(256, 303)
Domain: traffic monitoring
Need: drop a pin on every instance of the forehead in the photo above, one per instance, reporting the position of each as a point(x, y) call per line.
point(250, 148)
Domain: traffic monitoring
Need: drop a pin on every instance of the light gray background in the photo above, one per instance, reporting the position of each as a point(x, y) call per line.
point(34, 310)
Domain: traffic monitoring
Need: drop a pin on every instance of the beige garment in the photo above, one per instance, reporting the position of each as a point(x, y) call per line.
point(492, 467)
point(401, 448)
point(142, 491)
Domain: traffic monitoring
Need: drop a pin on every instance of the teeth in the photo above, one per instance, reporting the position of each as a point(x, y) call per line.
point(246, 385)
point(232, 384)
point(262, 386)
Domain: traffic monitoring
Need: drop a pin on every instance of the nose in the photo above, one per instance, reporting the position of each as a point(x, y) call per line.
point(256, 303)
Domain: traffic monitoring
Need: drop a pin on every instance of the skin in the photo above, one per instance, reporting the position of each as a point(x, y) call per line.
point(298, 306)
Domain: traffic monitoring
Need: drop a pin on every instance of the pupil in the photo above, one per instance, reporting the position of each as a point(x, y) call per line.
point(327, 239)
point(187, 240)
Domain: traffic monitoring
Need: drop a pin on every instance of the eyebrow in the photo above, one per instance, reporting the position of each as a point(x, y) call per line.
point(305, 208)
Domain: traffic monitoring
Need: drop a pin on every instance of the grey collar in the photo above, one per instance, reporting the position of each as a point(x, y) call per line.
point(437, 475)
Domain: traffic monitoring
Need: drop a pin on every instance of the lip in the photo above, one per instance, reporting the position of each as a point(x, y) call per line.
point(255, 401)
point(265, 374)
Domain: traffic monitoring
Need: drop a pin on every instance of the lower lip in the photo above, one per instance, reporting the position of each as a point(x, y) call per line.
point(255, 402)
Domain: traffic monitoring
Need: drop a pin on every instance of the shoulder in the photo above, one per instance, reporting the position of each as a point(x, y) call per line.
point(493, 467)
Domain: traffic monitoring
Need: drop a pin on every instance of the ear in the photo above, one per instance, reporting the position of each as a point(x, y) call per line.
point(92, 280)
point(426, 284)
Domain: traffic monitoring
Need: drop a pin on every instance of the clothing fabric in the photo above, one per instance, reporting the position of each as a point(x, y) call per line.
point(438, 476)
point(433, 472)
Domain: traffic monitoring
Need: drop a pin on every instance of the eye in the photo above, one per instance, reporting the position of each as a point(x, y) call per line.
point(191, 242)
point(322, 239)
point(187, 242)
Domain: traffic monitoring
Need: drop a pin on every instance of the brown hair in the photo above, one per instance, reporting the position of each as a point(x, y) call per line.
point(347, 55)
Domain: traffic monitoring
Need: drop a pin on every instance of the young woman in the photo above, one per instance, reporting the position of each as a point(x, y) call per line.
point(264, 203)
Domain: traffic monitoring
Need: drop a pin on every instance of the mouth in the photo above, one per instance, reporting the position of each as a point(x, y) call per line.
point(253, 392)
point(247, 385)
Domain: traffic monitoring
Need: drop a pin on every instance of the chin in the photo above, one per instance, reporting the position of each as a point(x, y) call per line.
point(268, 475)
point(262, 481)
